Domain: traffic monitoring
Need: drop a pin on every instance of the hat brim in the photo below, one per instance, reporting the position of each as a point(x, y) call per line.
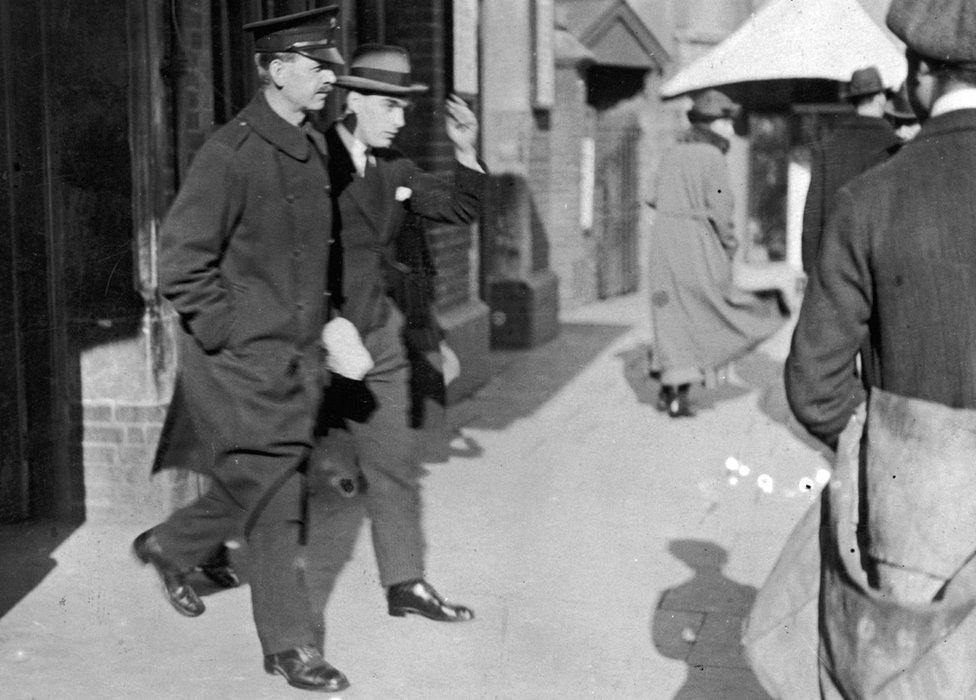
point(325, 54)
point(351, 82)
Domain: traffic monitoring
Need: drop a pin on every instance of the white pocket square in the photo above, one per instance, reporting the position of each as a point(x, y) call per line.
point(403, 194)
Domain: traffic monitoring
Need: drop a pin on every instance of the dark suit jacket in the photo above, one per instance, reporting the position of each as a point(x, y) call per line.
point(242, 257)
point(368, 217)
point(857, 144)
point(897, 268)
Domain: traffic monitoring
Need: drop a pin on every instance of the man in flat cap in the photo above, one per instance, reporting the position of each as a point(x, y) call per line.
point(243, 256)
point(860, 141)
point(897, 269)
point(375, 186)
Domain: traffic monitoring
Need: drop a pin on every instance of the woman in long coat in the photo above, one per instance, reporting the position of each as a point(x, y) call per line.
point(701, 320)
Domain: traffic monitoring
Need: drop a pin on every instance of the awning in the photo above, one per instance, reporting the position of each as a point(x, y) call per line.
point(789, 39)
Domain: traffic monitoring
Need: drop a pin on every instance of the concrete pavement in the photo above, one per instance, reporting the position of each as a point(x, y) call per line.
point(608, 551)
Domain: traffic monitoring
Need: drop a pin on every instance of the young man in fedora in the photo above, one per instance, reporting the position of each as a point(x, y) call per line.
point(374, 186)
point(243, 260)
point(898, 270)
point(860, 141)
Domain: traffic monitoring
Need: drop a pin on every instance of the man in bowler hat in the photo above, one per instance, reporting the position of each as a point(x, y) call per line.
point(860, 141)
point(243, 259)
point(375, 186)
point(897, 269)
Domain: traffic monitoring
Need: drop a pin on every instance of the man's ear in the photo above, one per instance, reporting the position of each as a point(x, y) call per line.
point(276, 71)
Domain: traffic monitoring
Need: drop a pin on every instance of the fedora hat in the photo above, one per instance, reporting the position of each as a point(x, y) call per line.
point(308, 33)
point(712, 104)
point(381, 69)
point(865, 81)
point(941, 30)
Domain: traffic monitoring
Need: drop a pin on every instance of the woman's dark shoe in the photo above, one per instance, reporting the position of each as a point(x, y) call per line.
point(219, 569)
point(304, 667)
point(179, 593)
point(419, 598)
point(675, 401)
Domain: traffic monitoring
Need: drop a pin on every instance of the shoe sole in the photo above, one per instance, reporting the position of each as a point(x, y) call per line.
point(144, 560)
point(275, 671)
point(403, 612)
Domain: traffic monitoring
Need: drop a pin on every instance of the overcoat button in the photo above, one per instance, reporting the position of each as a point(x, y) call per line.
point(290, 197)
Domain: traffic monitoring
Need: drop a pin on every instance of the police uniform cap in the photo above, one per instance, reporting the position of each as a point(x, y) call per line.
point(308, 33)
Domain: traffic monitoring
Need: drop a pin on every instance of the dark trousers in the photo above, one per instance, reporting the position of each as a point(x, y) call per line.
point(259, 496)
point(385, 450)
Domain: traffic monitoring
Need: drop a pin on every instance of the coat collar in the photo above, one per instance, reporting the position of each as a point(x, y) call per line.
point(956, 120)
point(287, 137)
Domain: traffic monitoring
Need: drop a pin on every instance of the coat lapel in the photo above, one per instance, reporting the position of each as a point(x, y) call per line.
point(374, 199)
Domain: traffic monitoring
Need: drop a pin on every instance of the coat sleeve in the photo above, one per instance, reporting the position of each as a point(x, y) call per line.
point(451, 200)
point(192, 242)
point(813, 214)
point(822, 386)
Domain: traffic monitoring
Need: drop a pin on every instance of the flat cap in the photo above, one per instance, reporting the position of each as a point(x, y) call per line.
point(308, 33)
point(944, 30)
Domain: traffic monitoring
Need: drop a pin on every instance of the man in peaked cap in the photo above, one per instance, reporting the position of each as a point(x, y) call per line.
point(375, 186)
point(859, 142)
point(243, 259)
point(897, 269)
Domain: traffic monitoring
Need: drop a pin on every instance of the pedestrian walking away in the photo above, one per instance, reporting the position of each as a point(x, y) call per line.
point(859, 142)
point(374, 188)
point(243, 259)
point(897, 263)
point(701, 320)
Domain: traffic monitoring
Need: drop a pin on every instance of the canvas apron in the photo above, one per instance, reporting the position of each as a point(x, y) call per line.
point(907, 472)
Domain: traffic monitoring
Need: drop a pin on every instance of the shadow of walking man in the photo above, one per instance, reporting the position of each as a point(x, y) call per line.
point(699, 622)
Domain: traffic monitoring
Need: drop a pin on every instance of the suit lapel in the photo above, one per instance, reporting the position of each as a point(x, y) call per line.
point(369, 199)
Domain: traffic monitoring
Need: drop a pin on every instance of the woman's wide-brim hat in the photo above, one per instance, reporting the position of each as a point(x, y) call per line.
point(380, 69)
point(713, 104)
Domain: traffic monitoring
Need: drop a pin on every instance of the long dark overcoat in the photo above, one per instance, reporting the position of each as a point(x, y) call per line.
point(858, 143)
point(243, 258)
point(897, 268)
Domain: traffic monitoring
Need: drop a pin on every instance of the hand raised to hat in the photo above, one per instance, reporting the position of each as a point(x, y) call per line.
point(462, 127)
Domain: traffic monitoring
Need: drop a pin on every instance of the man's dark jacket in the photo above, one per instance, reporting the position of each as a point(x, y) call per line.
point(242, 257)
point(898, 268)
point(858, 143)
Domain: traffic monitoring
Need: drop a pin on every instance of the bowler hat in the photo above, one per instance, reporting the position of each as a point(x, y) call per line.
point(943, 30)
point(381, 69)
point(865, 81)
point(712, 104)
point(899, 107)
point(308, 33)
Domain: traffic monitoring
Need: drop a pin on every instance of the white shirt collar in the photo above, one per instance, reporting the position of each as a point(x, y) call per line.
point(358, 150)
point(964, 98)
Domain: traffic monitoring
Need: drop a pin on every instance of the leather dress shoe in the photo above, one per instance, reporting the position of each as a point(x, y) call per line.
point(179, 593)
point(419, 598)
point(304, 667)
point(219, 570)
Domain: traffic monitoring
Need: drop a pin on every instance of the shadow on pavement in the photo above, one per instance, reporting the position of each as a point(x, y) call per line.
point(25, 550)
point(699, 622)
point(525, 380)
point(766, 375)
